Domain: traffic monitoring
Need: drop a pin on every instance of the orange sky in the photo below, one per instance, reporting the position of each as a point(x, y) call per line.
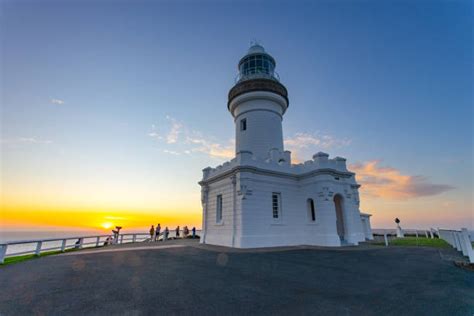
point(386, 193)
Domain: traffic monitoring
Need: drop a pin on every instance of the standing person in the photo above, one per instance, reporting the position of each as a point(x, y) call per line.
point(157, 232)
point(177, 232)
point(165, 233)
point(152, 232)
point(116, 233)
point(185, 232)
point(194, 232)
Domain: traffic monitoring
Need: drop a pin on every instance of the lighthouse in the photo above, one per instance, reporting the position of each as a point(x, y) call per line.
point(260, 198)
point(257, 103)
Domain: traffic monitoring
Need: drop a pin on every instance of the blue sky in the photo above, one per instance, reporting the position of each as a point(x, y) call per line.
point(93, 90)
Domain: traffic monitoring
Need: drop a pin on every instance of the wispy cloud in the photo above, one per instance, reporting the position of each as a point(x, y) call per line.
point(176, 129)
point(172, 132)
point(171, 152)
point(186, 141)
point(26, 140)
point(57, 101)
point(180, 139)
point(306, 144)
point(211, 148)
point(388, 182)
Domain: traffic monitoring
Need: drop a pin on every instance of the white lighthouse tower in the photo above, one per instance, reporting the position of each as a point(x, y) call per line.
point(257, 102)
point(261, 199)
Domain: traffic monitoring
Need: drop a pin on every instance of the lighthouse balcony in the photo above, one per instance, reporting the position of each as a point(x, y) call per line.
point(256, 75)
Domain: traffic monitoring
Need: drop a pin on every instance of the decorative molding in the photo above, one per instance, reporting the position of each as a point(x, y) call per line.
point(325, 194)
point(244, 191)
point(355, 192)
point(297, 177)
point(347, 194)
point(204, 194)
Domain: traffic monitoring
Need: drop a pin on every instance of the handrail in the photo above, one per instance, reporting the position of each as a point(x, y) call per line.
point(459, 240)
point(16, 242)
point(118, 239)
point(241, 77)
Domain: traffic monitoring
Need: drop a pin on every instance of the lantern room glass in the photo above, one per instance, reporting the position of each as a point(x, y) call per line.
point(257, 64)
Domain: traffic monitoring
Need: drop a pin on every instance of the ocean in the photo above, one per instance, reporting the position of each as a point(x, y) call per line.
point(10, 236)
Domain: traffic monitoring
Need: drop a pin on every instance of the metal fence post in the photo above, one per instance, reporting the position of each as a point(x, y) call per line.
point(467, 241)
point(3, 252)
point(134, 238)
point(453, 238)
point(386, 240)
point(97, 242)
point(81, 241)
point(462, 243)
point(63, 246)
point(121, 239)
point(38, 248)
point(458, 241)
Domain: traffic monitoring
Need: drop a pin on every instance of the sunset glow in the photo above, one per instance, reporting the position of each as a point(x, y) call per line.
point(110, 128)
point(107, 225)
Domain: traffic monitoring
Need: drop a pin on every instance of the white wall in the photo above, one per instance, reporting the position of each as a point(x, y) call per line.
point(264, 113)
point(255, 226)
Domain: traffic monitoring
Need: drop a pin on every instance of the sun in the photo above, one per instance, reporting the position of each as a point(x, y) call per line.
point(106, 225)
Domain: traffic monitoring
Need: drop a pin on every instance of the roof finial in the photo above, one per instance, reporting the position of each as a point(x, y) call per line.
point(255, 42)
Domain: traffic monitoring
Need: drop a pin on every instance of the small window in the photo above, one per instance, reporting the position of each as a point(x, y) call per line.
point(276, 201)
point(219, 209)
point(243, 124)
point(311, 211)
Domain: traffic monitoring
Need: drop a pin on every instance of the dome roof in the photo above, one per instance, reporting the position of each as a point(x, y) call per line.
point(255, 49)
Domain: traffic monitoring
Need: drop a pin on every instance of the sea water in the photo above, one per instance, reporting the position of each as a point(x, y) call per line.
point(11, 236)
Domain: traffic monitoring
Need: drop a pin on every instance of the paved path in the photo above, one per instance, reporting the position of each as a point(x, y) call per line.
point(121, 249)
point(218, 281)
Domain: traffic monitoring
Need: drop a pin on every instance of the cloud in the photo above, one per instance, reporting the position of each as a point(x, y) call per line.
point(154, 133)
point(171, 152)
point(179, 140)
point(26, 140)
point(176, 129)
point(388, 182)
point(57, 101)
point(183, 140)
point(306, 144)
point(171, 135)
point(211, 148)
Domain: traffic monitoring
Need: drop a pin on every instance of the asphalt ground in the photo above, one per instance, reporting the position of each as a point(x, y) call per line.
point(145, 279)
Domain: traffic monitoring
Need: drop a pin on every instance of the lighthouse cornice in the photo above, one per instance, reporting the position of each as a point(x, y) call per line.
point(259, 84)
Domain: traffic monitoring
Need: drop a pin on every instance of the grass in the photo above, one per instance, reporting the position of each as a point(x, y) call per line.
point(420, 242)
point(16, 259)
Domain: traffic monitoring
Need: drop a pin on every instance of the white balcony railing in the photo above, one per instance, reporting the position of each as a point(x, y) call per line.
point(460, 240)
point(39, 246)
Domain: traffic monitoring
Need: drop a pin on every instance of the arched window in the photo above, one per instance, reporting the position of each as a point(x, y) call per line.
point(311, 210)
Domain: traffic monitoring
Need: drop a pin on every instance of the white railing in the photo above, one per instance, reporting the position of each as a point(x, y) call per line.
point(428, 233)
point(459, 240)
point(38, 246)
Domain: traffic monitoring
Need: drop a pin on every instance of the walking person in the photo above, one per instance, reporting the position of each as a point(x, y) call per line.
point(177, 232)
point(194, 232)
point(157, 232)
point(152, 232)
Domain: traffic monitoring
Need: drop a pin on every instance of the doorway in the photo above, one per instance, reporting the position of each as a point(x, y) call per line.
point(339, 204)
